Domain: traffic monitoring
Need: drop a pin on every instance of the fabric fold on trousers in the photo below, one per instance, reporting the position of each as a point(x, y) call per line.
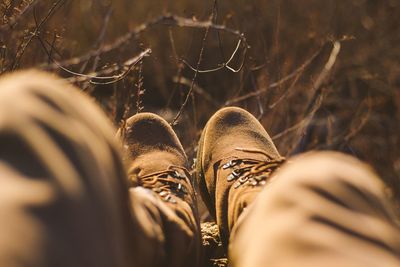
point(321, 209)
point(172, 234)
point(63, 194)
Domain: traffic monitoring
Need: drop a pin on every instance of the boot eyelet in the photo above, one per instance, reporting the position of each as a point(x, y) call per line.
point(231, 164)
point(242, 180)
point(230, 177)
point(227, 165)
point(236, 173)
point(254, 182)
point(177, 175)
point(157, 189)
point(237, 185)
point(181, 188)
point(163, 193)
point(170, 199)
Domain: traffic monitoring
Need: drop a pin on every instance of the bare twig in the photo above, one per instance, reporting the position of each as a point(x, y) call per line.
point(126, 68)
point(328, 66)
point(364, 119)
point(215, 20)
point(197, 89)
point(353, 129)
point(316, 99)
point(278, 83)
point(140, 90)
point(35, 33)
point(99, 75)
point(170, 20)
point(286, 92)
point(304, 122)
point(52, 47)
point(224, 65)
point(174, 121)
point(99, 41)
point(21, 15)
point(180, 67)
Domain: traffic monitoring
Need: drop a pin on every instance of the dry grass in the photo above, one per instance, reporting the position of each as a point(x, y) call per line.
point(275, 58)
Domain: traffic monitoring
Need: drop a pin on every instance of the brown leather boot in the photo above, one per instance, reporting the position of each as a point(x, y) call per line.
point(159, 164)
point(235, 158)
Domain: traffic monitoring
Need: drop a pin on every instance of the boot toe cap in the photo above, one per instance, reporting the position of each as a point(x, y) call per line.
point(148, 132)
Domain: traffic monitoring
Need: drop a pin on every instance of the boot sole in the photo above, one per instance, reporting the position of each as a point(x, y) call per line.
point(200, 176)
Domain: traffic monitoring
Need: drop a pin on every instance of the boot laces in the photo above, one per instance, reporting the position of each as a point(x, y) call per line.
point(166, 183)
point(251, 172)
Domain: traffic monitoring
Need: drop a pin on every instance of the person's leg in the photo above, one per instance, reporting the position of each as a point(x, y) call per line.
point(162, 193)
point(64, 198)
point(282, 224)
point(63, 193)
point(321, 209)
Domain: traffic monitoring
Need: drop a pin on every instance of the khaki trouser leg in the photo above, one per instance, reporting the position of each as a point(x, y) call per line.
point(171, 232)
point(321, 209)
point(64, 198)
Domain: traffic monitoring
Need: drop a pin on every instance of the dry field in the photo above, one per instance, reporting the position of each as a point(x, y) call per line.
point(317, 74)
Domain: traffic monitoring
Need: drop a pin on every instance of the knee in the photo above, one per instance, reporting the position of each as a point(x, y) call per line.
point(329, 171)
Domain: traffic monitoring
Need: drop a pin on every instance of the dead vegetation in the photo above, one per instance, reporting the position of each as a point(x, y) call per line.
point(317, 74)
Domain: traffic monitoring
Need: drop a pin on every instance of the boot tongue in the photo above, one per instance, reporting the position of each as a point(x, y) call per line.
point(240, 147)
point(239, 154)
point(155, 161)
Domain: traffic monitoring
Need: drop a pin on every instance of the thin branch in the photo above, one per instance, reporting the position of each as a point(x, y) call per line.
point(99, 41)
point(317, 97)
point(329, 65)
point(364, 119)
point(203, 43)
point(126, 68)
point(99, 75)
point(353, 129)
point(287, 91)
point(276, 84)
point(304, 122)
point(20, 16)
point(225, 64)
point(170, 20)
point(35, 33)
point(215, 20)
point(197, 89)
point(140, 90)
